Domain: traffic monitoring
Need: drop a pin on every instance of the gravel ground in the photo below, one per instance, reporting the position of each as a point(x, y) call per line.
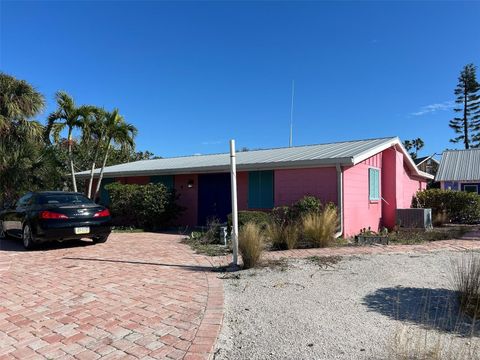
point(353, 309)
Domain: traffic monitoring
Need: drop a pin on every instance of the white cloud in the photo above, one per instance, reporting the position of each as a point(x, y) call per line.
point(446, 105)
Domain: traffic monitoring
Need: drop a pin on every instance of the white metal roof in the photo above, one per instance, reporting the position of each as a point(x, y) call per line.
point(346, 153)
point(459, 165)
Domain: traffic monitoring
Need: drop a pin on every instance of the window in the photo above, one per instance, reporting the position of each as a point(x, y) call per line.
point(374, 184)
point(71, 199)
point(470, 188)
point(24, 200)
point(166, 180)
point(260, 189)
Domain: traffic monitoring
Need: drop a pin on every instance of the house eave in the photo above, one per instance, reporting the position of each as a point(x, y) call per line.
point(348, 161)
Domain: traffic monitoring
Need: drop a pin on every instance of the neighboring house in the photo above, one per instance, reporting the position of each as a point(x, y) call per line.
point(427, 164)
point(367, 179)
point(459, 170)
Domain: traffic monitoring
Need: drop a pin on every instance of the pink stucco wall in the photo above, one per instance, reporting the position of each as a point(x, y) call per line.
point(410, 188)
point(292, 184)
point(188, 198)
point(359, 212)
point(397, 187)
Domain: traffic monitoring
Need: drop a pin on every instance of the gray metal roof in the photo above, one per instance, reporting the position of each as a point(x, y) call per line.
point(420, 160)
point(343, 153)
point(459, 165)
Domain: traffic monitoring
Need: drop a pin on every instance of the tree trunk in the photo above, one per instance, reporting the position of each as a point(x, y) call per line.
point(90, 183)
point(70, 157)
point(101, 171)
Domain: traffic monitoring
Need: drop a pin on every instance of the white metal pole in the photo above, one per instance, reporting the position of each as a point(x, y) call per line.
point(233, 176)
point(290, 143)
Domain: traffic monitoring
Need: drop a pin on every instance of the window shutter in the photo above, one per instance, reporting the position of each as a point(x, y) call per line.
point(260, 189)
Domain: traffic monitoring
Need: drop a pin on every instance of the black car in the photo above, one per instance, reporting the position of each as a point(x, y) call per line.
point(39, 217)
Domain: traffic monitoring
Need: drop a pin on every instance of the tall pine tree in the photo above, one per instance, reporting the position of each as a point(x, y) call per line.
point(467, 124)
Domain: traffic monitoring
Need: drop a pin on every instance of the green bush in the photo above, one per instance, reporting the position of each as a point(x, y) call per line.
point(151, 206)
point(456, 206)
point(284, 215)
point(306, 205)
point(261, 218)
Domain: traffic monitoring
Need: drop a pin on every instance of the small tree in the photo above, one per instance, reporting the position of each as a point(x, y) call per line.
point(467, 126)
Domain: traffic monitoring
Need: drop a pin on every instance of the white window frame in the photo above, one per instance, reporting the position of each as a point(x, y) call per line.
point(379, 184)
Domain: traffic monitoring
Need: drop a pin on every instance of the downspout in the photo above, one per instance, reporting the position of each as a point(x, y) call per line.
point(340, 199)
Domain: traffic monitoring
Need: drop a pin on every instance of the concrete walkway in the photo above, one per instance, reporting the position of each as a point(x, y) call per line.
point(138, 296)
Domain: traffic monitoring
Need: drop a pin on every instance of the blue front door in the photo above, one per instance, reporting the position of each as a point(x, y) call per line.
point(214, 197)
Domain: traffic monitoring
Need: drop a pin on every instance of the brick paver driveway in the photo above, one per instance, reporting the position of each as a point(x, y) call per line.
point(137, 296)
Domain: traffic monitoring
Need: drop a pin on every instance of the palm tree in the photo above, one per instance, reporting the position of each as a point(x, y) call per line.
point(94, 134)
point(119, 132)
point(69, 116)
point(19, 101)
point(417, 144)
point(413, 146)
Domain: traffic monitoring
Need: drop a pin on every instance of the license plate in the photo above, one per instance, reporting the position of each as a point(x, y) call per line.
point(82, 230)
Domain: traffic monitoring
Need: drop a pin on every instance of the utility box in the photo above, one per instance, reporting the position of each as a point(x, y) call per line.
point(415, 218)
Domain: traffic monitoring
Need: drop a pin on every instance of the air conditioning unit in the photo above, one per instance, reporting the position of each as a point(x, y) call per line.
point(415, 218)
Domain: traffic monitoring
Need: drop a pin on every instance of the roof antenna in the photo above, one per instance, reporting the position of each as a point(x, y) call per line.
point(291, 115)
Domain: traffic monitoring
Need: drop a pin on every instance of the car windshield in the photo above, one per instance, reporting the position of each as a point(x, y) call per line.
point(53, 199)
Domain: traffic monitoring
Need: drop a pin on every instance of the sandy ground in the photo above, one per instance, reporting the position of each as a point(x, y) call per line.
point(361, 307)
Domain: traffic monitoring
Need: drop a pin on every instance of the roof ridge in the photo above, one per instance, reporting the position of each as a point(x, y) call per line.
point(461, 150)
point(273, 148)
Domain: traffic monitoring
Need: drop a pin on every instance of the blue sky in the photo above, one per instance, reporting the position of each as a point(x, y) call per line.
point(192, 75)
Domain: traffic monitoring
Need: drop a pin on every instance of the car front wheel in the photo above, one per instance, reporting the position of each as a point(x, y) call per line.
point(27, 237)
point(100, 239)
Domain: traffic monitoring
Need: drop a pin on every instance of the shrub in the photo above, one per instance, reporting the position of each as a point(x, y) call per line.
point(282, 236)
point(306, 205)
point(250, 244)
point(281, 215)
point(212, 235)
point(260, 218)
point(319, 228)
point(410, 343)
point(274, 232)
point(457, 206)
point(149, 206)
point(439, 218)
point(291, 214)
point(291, 236)
point(466, 280)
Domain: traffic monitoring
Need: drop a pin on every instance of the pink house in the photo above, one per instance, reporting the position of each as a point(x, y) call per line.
point(367, 179)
